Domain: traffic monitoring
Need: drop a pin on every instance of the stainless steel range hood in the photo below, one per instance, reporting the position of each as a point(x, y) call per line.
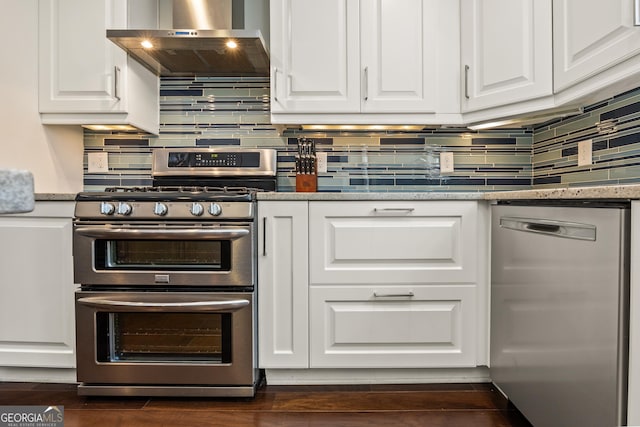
point(200, 42)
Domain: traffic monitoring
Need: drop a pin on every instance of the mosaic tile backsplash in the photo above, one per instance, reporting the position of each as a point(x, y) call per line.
point(235, 112)
point(613, 126)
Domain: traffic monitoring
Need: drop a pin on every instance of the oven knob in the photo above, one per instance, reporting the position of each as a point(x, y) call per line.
point(215, 209)
point(160, 209)
point(107, 208)
point(124, 209)
point(197, 209)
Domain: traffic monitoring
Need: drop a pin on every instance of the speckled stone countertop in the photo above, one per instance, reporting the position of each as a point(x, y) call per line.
point(370, 196)
point(43, 197)
point(16, 191)
point(631, 191)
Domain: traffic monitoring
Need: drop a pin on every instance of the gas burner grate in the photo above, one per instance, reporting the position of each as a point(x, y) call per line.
point(227, 190)
point(128, 189)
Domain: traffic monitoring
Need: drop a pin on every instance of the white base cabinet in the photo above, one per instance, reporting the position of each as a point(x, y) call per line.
point(392, 326)
point(37, 305)
point(85, 79)
point(283, 285)
point(375, 285)
point(393, 242)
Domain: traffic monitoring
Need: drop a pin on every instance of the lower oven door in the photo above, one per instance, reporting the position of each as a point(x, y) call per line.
point(165, 339)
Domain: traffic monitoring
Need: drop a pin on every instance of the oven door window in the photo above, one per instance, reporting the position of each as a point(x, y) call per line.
point(210, 255)
point(164, 337)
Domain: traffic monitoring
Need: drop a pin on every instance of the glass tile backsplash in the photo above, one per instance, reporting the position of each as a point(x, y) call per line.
point(612, 126)
point(235, 112)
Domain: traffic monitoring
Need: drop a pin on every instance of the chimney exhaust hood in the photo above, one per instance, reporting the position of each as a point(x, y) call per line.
point(222, 38)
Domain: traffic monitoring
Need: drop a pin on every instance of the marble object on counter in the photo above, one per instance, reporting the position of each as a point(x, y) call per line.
point(16, 191)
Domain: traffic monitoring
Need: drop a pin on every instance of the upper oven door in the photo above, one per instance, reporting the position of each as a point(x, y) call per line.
point(163, 254)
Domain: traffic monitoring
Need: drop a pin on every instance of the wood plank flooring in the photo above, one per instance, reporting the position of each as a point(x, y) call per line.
point(450, 405)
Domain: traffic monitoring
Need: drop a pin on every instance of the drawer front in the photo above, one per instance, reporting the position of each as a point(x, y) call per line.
point(393, 242)
point(399, 327)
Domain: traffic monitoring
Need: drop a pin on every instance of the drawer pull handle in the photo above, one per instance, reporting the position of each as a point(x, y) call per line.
point(383, 295)
point(394, 209)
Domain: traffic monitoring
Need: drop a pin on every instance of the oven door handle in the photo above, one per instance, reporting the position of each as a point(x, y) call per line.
point(183, 306)
point(163, 234)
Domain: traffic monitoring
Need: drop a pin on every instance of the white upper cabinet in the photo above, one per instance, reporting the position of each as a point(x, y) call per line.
point(367, 56)
point(506, 52)
point(408, 60)
point(83, 77)
point(314, 56)
point(591, 36)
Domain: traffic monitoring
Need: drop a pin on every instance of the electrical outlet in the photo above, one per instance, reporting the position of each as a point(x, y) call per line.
point(446, 162)
point(585, 152)
point(98, 162)
point(321, 157)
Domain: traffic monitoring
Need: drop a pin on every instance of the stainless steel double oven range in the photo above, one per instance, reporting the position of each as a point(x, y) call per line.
point(167, 274)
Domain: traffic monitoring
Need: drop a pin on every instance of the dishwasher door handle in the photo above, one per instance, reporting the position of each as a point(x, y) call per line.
point(564, 229)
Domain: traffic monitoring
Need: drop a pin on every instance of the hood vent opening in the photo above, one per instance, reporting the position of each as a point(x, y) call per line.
point(198, 42)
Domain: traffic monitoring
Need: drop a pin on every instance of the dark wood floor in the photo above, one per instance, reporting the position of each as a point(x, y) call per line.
point(449, 405)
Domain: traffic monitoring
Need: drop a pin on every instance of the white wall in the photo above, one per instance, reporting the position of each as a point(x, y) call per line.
point(52, 153)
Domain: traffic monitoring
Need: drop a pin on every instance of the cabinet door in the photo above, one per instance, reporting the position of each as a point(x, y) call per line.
point(315, 56)
point(393, 243)
point(589, 36)
point(80, 69)
point(409, 51)
point(283, 285)
point(37, 304)
point(383, 327)
point(506, 51)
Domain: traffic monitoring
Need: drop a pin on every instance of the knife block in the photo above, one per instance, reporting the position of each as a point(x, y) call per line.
point(307, 183)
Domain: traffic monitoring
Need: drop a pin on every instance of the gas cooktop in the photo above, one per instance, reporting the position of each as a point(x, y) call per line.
point(188, 183)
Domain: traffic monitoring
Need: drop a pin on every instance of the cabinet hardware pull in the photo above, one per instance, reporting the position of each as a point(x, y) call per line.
point(116, 82)
point(275, 84)
point(366, 83)
point(394, 209)
point(636, 13)
point(466, 81)
point(383, 295)
point(264, 236)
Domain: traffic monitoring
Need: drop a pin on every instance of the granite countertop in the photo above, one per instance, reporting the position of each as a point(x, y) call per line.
point(631, 191)
point(43, 197)
point(426, 195)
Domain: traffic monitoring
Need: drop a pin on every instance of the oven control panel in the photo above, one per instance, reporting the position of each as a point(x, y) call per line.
point(178, 159)
point(215, 162)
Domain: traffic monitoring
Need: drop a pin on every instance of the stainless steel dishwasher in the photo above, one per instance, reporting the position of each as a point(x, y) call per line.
point(559, 310)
